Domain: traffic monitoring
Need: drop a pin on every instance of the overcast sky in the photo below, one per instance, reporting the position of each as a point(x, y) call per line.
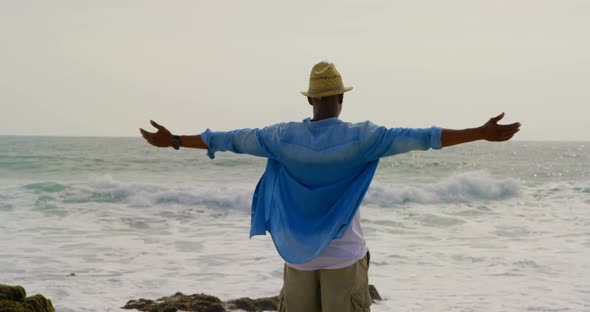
point(104, 68)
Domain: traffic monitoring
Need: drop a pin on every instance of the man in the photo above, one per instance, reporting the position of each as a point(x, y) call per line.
point(316, 176)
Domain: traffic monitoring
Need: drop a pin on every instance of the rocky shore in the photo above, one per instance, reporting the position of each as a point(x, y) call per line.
point(208, 303)
point(14, 299)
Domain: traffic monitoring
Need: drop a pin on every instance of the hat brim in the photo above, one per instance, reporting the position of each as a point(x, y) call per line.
point(324, 94)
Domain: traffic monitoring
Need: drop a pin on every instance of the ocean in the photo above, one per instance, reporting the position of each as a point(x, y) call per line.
point(93, 222)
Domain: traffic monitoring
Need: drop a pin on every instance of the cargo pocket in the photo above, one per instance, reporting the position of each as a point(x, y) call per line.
point(282, 304)
point(361, 301)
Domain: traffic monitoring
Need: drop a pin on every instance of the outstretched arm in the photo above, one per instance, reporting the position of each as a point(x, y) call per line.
point(163, 138)
point(490, 131)
point(240, 141)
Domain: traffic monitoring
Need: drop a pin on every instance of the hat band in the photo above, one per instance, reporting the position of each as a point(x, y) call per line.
point(317, 91)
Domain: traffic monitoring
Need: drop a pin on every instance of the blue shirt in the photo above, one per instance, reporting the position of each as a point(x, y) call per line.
point(316, 175)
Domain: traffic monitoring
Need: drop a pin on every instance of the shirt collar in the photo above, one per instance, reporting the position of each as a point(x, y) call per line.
point(323, 122)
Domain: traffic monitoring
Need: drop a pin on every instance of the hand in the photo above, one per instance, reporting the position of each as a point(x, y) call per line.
point(162, 138)
point(492, 131)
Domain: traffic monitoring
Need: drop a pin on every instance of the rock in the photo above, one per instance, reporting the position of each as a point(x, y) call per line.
point(243, 303)
point(254, 305)
point(374, 293)
point(178, 301)
point(207, 303)
point(268, 303)
point(14, 299)
point(12, 293)
point(141, 304)
point(11, 306)
point(38, 303)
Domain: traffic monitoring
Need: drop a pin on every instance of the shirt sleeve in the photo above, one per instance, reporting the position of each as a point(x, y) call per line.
point(241, 141)
point(383, 142)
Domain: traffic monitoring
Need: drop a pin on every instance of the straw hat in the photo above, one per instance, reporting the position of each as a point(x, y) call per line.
point(325, 80)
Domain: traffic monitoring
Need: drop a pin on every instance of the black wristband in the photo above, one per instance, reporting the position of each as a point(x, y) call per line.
point(175, 142)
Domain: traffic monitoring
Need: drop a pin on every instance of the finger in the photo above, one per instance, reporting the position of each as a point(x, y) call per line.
point(144, 132)
point(146, 135)
point(511, 126)
point(497, 118)
point(156, 125)
point(509, 129)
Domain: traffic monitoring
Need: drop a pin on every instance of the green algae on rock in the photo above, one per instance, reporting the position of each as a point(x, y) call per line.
point(38, 303)
point(207, 303)
point(11, 306)
point(14, 299)
point(178, 301)
point(261, 304)
point(12, 293)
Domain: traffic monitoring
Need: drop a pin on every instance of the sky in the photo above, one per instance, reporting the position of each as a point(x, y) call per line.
point(105, 68)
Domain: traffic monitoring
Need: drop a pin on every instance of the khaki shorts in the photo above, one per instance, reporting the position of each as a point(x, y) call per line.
point(326, 290)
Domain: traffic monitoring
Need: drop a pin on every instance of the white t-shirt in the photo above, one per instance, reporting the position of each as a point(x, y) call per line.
point(341, 252)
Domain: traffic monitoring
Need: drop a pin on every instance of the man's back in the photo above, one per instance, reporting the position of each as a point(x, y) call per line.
point(316, 176)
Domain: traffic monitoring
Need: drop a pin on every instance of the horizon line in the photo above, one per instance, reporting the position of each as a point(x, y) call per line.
point(139, 136)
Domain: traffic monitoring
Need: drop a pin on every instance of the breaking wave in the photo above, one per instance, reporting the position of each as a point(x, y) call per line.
point(468, 187)
point(105, 190)
point(465, 187)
